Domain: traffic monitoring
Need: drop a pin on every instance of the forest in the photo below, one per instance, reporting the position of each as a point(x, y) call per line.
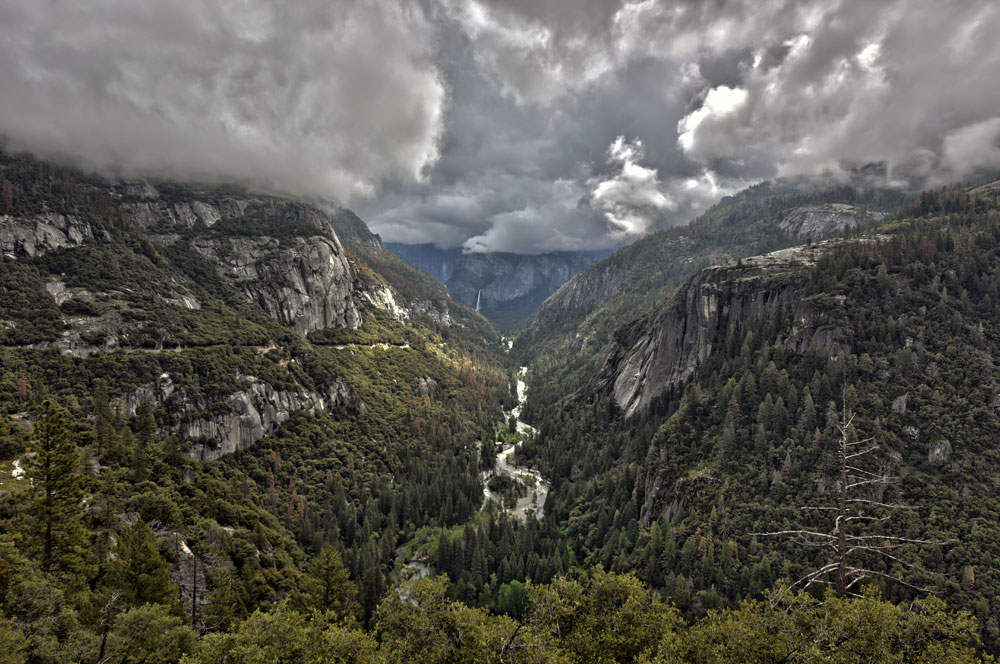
point(118, 543)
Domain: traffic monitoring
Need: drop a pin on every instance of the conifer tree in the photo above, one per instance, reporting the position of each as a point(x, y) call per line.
point(53, 509)
point(329, 586)
point(142, 574)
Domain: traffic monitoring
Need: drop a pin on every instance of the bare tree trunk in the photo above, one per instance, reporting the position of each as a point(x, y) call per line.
point(842, 513)
point(194, 589)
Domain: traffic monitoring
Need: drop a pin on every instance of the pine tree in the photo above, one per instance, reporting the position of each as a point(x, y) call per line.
point(142, 574)
point(103, 416)
point(329, 586)
point(53, 510)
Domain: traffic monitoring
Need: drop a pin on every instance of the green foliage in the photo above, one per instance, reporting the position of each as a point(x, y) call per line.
point(606, 619)
point(799, 628)
point(287, 637)
point(52, 508)
point(12, 643)
point(149, 634)
point(140, 572)
point(328, 587)
point(27, 314)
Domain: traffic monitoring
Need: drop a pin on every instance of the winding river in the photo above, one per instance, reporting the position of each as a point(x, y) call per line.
point(531, 505)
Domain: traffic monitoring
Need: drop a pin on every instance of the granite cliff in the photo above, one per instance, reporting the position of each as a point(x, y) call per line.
point(663, 349)
point(504, 287)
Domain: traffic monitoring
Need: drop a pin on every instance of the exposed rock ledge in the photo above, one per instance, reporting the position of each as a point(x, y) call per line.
point(305, 283)
point(253, 412)
point(663, 349)
point(34, 236)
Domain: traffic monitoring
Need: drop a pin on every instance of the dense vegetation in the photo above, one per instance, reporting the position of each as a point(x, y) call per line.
point(676, 493)
point(117, 546)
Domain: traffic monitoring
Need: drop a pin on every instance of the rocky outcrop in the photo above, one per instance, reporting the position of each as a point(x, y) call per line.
point(204, 208)
point(237, 421)
point(663, 349)
point(436, 310)
point(939, 453)
point(670, 504)
point(427, 385)
point(291, 262)
point(34, 236)
point(381, 297)
point(281, 254)
point(817, 221)
point(304, 282)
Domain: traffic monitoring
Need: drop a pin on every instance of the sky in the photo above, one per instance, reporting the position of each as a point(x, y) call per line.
point(525, 126)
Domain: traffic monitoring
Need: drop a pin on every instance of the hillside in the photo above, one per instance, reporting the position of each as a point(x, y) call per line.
point(237, 377)
point(562, 340)
point(713, 416)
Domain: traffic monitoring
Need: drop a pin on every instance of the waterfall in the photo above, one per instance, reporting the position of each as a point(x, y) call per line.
point(478, 296)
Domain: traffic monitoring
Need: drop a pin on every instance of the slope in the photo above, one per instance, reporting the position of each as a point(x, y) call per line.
point(562, 339)
point(209, 339)
point(713, 417)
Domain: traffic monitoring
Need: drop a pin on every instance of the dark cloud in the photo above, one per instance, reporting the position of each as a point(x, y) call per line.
point(507, 125)
point(310, 97)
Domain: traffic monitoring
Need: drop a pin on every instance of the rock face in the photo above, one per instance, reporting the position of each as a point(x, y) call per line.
point(816, 221)
point(496, 280)
point(34, 236)
point(939, 453)
point(283, 255)
point(584, 292)
point(305, 283)
point(237, 421)
point(663, 349)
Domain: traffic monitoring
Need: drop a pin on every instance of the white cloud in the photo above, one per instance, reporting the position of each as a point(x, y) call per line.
point(631, 199)
point(720, 102)
point(314, 97)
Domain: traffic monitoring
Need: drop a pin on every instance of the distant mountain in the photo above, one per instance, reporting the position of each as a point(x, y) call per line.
point(678, 435)
point(506, 288)
point(574, 324)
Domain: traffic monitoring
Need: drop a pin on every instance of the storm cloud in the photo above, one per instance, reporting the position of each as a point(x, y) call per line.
point(507, 125)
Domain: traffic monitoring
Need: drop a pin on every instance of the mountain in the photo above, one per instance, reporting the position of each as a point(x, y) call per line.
point(564, 338)
point(711, 418)
point(506, 288)
point(662, 350)
point(236, 425)
point(234, 373)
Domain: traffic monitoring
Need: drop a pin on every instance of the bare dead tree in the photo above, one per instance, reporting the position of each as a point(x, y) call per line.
point(859, 499)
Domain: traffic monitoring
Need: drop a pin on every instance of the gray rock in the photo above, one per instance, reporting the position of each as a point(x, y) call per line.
point(41, 233)
point(899, 404)
point(254, 412)
point(427, 385)
point(816, 221)
point(939, 453)
point(663, 349)
point(305, 283)
point(437, 311)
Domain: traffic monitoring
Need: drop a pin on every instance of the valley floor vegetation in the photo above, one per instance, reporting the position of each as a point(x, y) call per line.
point(118, 546)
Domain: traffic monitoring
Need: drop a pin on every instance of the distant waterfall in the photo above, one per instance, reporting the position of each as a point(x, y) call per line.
point(478, 296)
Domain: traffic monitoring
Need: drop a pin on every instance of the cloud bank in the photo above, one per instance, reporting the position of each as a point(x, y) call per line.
point(507, 125)
point(309, 97)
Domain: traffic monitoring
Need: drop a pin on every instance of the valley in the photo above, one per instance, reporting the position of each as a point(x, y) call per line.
point(499, 332)
point(527, 481)
point(276, 416)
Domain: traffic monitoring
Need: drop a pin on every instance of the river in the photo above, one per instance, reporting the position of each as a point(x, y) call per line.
point(533, 504)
